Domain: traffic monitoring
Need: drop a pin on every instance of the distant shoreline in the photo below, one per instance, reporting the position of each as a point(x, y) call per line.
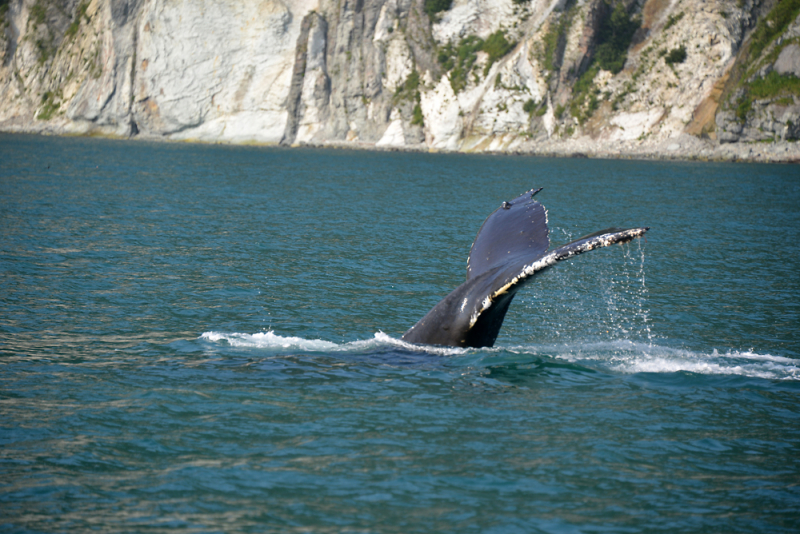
point(683, 148)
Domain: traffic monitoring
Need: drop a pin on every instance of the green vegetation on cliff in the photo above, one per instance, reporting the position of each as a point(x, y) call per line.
point(460, 59)
point(38, 13)
point(76, 23)
point(771, 86)
point(614, 39)
point(676, 55)
point(556, 38)
point(748, 83)
point(3, 11)
point(497, 46)
point(672, 20)
point(773, 25)
point(410, 91)
point(774, 84)
point(409, 88)
point(49, 106)
point(432, 7)
point(584, 96)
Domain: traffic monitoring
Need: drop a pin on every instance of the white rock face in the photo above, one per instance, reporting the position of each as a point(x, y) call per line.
point(442, 116)
point(394, 135)
point(473, 17)
point(501, 109)
point(334, 72)
point(633, 125)
point(387, 21)
point(94, 94)
point(789, 60)
point(316, 77)
point(215, 70)
point(399, 63)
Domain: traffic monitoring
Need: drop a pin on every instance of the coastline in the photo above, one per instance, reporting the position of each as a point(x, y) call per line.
point(286, 81)
point(681, 148)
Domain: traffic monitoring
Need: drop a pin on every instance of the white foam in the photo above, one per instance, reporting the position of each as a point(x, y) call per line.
point(620, 356)
point(629, 357)
point(267, 340)
point(270, 340)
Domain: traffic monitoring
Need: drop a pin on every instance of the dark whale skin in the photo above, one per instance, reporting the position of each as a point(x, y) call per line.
point(509, 250)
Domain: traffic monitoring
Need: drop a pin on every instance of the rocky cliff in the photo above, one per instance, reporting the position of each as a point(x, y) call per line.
point(689, 77)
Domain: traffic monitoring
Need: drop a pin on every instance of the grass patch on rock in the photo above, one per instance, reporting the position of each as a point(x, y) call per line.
point(496, 46)
point(410, 91)
point(72, 29)
point(672, 20)
point(49, 106)
point(38, 13)
point(771, 86)
point(773, 25)
point(555, 39)
point(774, 84)
point(584, 96)
point(409, 87)
point(750, 84)
point(611, 54)
point(459, 59)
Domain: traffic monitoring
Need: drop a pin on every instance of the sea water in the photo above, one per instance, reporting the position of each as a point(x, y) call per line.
point(207, 339)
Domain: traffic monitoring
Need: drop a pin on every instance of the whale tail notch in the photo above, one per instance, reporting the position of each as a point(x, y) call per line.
point(511, 247)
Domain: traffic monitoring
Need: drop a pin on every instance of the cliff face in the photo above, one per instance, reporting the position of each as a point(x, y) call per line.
point(474, 75)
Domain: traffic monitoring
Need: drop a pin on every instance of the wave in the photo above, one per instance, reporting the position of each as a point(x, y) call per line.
point(629, 357)
point(619, 356)
point(270, 340)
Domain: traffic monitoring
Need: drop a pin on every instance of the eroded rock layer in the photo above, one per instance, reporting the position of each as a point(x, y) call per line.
point(467, 75)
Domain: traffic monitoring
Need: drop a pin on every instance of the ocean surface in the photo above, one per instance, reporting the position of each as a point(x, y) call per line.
point(206, 339)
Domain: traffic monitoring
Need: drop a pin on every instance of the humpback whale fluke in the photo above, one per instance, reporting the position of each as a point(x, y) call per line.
point(510, 248)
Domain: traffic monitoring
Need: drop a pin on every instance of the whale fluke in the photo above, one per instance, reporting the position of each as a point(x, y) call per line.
point(510, 248)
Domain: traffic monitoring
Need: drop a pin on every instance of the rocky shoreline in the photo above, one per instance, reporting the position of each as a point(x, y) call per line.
point(683, 148)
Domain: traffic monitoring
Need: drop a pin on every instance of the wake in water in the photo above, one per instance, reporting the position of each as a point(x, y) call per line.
point(622, 314)
point(619, 356)
point(285, 345)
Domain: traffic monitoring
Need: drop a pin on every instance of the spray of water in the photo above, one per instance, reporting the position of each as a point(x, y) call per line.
point(634, 292)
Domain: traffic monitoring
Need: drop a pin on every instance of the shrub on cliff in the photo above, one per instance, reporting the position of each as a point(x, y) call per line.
point(615, 38)
point(459, 60)
point(676, 55)
point(72, 29)
point(407, 90)
point(432, 7)
point(417, 118)
point(497, 46)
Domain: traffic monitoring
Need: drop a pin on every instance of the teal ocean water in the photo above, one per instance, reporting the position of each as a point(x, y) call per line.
point(206, 339)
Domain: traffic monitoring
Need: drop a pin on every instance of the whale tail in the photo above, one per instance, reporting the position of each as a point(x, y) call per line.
point(511, 247)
